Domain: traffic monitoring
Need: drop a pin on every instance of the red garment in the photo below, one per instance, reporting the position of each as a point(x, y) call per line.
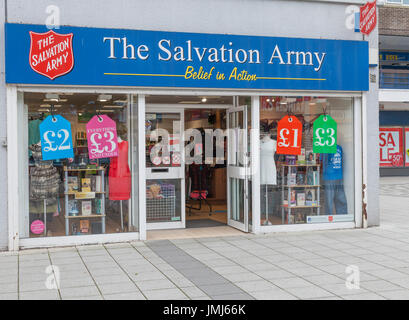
point(120, 175)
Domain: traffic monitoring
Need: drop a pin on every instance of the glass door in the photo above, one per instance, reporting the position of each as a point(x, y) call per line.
point(165, 201)
point(238, 168)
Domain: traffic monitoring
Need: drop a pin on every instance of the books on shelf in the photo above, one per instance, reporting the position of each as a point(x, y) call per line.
point(98, 206)
point(86, 208)
point(73, 208)
point(86, 184)
point(293, 199)
point(84, 226)
point(292, 179)
point(311, 157)
point(72, 183)
point(301, 199)
point(301, 157)
point(290, 160)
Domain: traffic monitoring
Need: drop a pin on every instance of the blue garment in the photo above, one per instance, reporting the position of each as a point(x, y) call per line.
point(335, 195)
point(332, 165)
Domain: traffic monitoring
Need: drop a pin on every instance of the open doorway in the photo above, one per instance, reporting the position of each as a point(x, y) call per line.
point(206, 172)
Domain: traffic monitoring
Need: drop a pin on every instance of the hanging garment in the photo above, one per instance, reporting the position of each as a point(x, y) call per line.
point(44, 178)
point(268, 172)
point(332, 165)
point(33, 133)
point(120, 174)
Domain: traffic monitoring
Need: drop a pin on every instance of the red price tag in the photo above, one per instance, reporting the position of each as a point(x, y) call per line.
point(289, 133)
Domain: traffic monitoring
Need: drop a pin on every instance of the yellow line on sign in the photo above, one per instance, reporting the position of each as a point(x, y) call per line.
point(145, 75)
point(279, 78)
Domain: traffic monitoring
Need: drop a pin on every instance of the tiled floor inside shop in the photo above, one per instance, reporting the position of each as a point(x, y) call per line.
point(308, 265)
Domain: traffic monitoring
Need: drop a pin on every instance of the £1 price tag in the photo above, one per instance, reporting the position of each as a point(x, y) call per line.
point(102, 137)
point(56, 138)
point(289, 131)
point(324, 135)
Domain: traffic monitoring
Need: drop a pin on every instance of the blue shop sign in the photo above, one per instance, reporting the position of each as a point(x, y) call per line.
point(393, 56)
point(116, 57)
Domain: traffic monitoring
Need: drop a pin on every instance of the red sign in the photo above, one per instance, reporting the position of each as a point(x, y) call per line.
point(51, 54)
point(289, 132)
point(391, 147)
point(367, 18)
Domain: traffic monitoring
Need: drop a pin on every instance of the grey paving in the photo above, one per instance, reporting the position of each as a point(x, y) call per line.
point(302, 265)
point(207, 280)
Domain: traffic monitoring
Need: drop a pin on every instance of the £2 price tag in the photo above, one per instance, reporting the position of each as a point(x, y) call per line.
point(324, 135)
point(56, 138)
point(102, 137)
point(289, 131)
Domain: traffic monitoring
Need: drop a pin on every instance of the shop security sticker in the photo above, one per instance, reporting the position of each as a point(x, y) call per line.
point(56, 138)
point(325, 135)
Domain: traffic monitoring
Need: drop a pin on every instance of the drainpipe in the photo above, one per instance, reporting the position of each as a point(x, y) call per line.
point(364, 161)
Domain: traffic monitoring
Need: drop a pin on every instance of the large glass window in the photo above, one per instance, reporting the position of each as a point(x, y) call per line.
point(90, 192)
point(302, 185)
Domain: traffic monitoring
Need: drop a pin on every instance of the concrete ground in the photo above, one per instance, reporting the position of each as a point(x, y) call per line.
point(308, 265)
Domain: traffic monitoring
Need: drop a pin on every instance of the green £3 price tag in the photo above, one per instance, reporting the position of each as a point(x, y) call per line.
point(324, 135)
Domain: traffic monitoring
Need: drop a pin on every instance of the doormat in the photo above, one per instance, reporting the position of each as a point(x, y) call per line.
point(205, 223)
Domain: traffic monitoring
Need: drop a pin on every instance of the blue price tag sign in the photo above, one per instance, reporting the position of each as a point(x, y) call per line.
point(56, 138)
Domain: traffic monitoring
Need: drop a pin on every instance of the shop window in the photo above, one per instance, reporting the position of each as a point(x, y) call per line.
point(90, 191)
point(300, 183)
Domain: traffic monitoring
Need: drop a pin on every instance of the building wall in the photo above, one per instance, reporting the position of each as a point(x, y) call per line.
point(3, 134)
point(394, 20)
point(319, 19)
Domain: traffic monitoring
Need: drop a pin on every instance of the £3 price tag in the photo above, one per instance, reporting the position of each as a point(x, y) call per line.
point(56, 138)
point(289, 131)
point(324, 135)
point(102, 137)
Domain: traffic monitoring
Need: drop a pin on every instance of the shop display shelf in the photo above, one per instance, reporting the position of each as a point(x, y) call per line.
point(100, 194)
point(302, 186)
point(86, 217)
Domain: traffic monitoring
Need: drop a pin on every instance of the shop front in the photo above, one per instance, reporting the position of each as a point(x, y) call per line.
point(114, 133)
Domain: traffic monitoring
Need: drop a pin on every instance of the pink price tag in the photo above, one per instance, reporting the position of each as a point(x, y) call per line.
point(37, 227)
point(102, 137)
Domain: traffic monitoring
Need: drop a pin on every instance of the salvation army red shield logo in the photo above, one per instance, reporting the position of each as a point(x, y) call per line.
point(51, 54)
point(367, 18)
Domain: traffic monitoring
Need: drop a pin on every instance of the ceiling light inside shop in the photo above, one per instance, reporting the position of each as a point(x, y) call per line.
point(51, 97)
point(204, 99)
point(43, 110)
point(52, 100)
point(105, 111)
point(45, 106)
point(104, 97)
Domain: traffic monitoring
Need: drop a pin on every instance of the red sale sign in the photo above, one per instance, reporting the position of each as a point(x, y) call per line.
point(102, 137)
point(289, 132)
point(391, 147)
point(51, 54)
point(367, 18)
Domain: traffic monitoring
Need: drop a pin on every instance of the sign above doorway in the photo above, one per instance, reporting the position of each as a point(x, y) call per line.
point(138, 58)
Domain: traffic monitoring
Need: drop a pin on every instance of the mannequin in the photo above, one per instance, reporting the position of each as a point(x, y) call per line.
point(268, 172)
point(333, 182)
point(120, 176)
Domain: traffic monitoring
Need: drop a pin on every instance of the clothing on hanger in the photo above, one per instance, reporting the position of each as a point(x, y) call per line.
point(268, 171)
point(120, 174)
